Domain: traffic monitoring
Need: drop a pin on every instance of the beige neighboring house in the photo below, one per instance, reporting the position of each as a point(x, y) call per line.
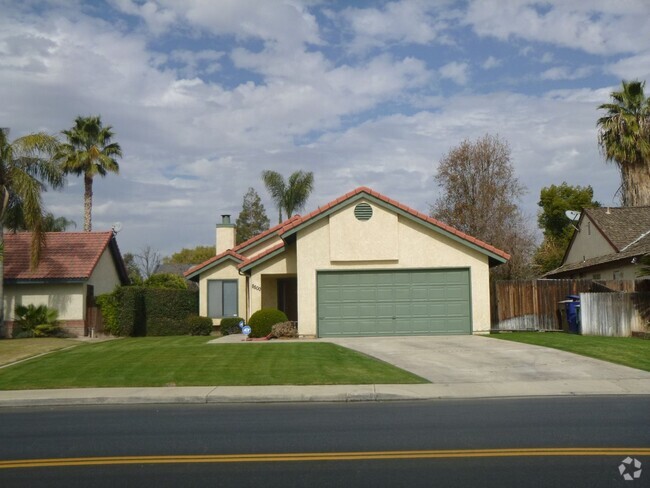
point(74, 268)
point(361, 265)
point(608, 245)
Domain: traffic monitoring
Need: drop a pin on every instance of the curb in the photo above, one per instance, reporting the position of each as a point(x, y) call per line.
point(317, 393)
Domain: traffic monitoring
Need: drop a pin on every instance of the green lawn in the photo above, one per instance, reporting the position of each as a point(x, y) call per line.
point(190, 361)
point(627, 351)
point(12, 350)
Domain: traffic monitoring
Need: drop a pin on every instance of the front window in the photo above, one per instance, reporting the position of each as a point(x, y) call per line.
point(222, 298)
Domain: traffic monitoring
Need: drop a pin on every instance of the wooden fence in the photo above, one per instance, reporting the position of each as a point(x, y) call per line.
point(614, 314)
point(535, 304)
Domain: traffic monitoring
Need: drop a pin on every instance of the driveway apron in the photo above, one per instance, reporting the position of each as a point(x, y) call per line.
point(478, 359)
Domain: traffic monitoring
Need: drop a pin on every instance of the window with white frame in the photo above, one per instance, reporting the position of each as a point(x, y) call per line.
point(222, 298)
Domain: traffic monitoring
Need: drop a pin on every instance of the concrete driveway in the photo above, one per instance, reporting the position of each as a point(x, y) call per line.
point(477, 362)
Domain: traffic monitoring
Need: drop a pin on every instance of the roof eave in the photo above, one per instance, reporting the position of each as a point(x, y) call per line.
point(195, 274)
point(262, 259)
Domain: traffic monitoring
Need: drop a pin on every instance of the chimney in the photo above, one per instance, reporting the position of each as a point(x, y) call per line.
point(225, 235)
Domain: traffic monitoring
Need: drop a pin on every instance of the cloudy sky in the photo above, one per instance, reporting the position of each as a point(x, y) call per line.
point(204, 95)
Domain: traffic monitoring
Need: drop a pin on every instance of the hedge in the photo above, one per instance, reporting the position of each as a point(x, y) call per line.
point(130, 310)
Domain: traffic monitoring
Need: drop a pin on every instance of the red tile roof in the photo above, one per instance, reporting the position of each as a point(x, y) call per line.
point(257, 257)
point(65, 256)
point(298, 220)
point(219, 256)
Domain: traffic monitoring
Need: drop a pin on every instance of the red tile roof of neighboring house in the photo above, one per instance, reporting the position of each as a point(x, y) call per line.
point(298, 220)
point(65, 256)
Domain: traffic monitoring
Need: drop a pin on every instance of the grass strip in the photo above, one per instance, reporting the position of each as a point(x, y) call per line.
point(628, 351)
point(190, 361)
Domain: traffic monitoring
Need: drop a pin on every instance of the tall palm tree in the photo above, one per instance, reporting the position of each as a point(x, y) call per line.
point(26, 168)
point(624, 138)
point(89, 152)
point(290, 196)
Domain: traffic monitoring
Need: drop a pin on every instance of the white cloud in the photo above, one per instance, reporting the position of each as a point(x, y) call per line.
point(595, 27)
point(456, 72)
point(632, 68)
point(405, 21)
point(491, 62)
point(286, 22)
point(567, 73)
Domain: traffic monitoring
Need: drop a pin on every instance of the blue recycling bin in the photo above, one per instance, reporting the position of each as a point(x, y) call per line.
point(573, 313)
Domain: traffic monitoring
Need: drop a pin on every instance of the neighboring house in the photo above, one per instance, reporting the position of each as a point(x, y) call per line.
point(172, 268)
point(608, 244)
point(74, 268)
point(362, 265)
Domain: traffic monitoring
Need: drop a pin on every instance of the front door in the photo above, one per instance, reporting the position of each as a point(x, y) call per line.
point(288, 297)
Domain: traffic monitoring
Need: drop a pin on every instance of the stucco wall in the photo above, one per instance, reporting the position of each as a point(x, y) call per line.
point(350, 239)
point(263, 292)
point(68, 299)
point(104, 277)
point(418, 247)
point(225, 271)
point(588, 243)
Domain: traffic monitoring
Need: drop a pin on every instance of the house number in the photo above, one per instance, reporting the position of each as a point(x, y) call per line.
point(256, 287)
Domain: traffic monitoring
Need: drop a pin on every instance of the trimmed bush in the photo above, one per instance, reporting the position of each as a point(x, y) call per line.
point(166, 280)
point(284, 329)
point(230, 325)
point(263, 320)
point(163, 326)
point(198, 326)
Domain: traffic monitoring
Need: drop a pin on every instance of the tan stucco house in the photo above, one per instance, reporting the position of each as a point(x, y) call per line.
point(607, 245)
point(74, 268)
point(361, 265)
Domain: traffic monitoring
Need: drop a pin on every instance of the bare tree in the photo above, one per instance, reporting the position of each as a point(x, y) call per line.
point(147, 260)
point(480, 196)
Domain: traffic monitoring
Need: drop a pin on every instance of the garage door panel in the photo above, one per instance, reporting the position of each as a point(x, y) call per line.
point(396, 302)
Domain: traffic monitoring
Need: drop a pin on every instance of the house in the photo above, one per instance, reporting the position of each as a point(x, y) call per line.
point(362, 265)
point(608, 244)
point(74, 268)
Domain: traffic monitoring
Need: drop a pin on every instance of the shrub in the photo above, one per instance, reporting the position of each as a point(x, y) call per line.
point(128, 309)
point(230, 325)
point(284, 329)
point(36, 321)
point(163, 326)
point(166, 280)
point(263, 320)
point(198, 326)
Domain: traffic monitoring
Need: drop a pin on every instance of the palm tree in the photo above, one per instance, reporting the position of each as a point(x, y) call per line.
point(289, 196)
point(26, 167)
point(89, 152)
point(624, 138)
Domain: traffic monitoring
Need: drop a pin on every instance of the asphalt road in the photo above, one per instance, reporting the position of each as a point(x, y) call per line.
point(543, 442)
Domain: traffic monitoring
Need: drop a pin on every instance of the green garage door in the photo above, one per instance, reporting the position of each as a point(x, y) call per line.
point(404, 302)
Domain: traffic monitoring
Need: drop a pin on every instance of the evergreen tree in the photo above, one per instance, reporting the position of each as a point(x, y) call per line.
point(554, 201)
point(252, 219)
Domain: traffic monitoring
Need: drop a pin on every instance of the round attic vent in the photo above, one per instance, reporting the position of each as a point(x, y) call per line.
point(363, 211)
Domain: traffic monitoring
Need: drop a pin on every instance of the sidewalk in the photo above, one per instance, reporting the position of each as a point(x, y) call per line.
point(328, 393)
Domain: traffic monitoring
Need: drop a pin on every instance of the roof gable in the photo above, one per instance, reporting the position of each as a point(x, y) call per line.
point(496, 256)
point(66, 256)
point(620, 225)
